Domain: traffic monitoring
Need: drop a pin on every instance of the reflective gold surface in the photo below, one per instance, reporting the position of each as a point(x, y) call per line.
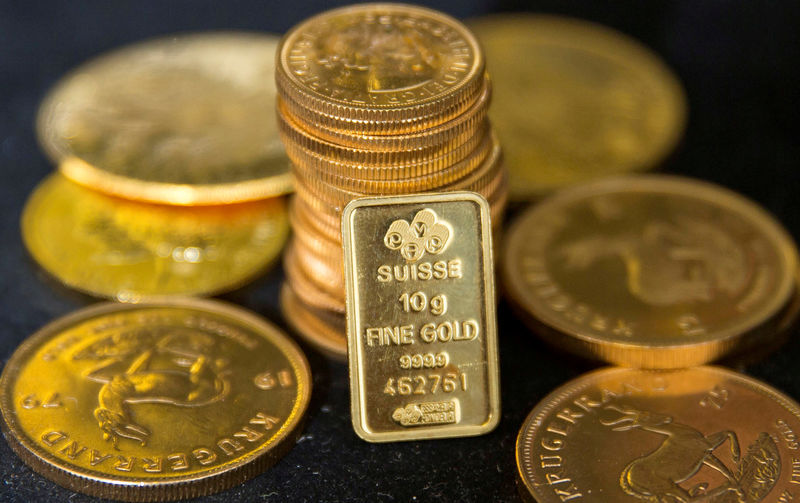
point(476, 173)
point(621, 435)
point(448, 133)
point(324, 330)
point(422, 336)
point(575, 101)
point(379, 68)
point(126, 250)
point(299, 275)
point(651, 271)
point(159, 401)
point(180, 120)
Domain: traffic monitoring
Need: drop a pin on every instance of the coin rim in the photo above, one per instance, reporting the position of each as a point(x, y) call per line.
point(129, 488)
point(534, 420)
point(716, 343)
point(175, 194)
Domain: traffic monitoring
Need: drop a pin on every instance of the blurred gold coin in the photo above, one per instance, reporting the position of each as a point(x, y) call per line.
point(575, 100)
point(327, 227)
point(649, 271)
point(699, 434)
point(325, 271)
point(153, 402)
point(181, 120)
point(324, 330)
point(309, 290)
point(379, 69)
point(791, 314)
point(127, 250)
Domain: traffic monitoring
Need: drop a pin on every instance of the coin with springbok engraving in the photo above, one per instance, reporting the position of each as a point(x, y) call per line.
point(651, 271)
point(625, 435)
point(153, 402)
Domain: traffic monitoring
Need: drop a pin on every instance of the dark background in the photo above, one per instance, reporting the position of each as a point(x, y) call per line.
point(739, 63)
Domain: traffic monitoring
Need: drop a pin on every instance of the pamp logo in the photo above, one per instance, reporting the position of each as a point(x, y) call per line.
point(425, 233)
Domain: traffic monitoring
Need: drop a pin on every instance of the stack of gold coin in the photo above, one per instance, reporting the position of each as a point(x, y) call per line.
point(170, 164)
point(374, 99)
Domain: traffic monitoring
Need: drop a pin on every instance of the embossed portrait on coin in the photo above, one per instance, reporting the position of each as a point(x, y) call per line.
point(378, 57)
point(661, 475)
point(668, 262)
point(174, 366)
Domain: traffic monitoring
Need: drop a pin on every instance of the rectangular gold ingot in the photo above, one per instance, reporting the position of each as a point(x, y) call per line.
point(421, 323)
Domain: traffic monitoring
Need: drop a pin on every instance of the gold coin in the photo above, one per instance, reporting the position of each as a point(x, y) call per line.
point(397, 177)
point(182, 120)
point(307, 289)
point(574, 101)
point(791, 314)
point(484, 166)
point(317, 243)
point(379, 69)
point(785, 325)
point(325, 330)
point(698, 434)
point(128, 250)
point(326, 272)
point(152, 402)
point(447, 134)
point(318, 224)
point(389, 167)
point(649, 271)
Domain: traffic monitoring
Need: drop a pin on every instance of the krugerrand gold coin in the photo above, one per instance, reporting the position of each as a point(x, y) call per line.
point(379, 68)
point(421, 326)
point(127, 250)
point(150, 402)
point(187, 120)
point(574, 101)
point(651, 271)
point(702, 434)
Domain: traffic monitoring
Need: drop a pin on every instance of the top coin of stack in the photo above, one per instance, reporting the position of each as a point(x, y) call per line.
point(375, 99)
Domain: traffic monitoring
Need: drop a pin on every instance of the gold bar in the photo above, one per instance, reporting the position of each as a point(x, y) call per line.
point(421, 323)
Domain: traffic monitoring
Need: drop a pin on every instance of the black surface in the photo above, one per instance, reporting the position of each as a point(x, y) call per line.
point(738, 60)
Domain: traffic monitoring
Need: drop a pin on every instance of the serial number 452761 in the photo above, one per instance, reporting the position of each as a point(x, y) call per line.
point(424, 384)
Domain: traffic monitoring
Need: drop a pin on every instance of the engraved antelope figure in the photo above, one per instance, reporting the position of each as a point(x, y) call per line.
point(174, 368)
point(655, 477)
